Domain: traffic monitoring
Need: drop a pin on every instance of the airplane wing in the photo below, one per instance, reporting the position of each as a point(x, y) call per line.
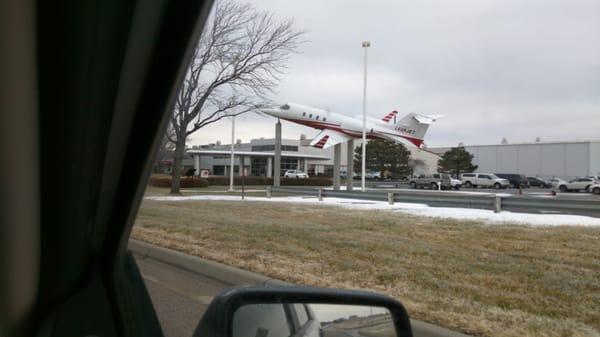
point(328, 138)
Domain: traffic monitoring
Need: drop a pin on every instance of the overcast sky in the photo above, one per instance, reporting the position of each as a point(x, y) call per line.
point(518, 69)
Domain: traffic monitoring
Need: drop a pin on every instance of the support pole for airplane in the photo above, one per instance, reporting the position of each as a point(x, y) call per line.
point(366, 45)
point(232, 154)
point(277, 169)
point(337, 159)
point(197, 164)
point(350, 165)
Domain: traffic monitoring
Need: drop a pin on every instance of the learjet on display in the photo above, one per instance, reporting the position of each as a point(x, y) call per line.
point(338, 128)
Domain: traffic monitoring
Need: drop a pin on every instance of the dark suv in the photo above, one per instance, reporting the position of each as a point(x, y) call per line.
point(539, 182)
point(516, 180)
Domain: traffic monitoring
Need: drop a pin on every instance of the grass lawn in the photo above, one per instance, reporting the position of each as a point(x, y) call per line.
point(485, 280)
point(249, 190)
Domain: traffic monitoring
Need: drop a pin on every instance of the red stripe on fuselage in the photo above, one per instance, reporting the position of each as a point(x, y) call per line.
point(336, 127)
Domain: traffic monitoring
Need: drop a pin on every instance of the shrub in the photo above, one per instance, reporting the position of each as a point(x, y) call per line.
point(157, 180)
point(313, 181)
point(224, 181)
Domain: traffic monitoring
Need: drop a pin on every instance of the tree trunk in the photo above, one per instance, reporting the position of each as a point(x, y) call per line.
point(177, 166)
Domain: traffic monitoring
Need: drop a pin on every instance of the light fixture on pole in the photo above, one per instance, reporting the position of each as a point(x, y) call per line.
point(366, 45)
point(232, 154)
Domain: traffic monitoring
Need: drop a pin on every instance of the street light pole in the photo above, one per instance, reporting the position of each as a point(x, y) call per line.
point(232, 154)
point(366, 45)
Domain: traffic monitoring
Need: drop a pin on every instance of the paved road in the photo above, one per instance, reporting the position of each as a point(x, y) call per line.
point(179, 296)
point(532, 192)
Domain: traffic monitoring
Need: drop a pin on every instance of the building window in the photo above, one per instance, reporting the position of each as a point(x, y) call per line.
point(271, 147)
point(259, 166)
point(288, 164)
point(291, 148)
point(263, 148)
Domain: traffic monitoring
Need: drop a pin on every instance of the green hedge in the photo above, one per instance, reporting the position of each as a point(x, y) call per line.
point(186, 182)
point(316, 181)
point(159, 180)
point(224, 181)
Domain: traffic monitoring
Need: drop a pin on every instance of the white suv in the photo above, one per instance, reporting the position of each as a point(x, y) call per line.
point(295, 174)
point(483, 180)
point(579, 184)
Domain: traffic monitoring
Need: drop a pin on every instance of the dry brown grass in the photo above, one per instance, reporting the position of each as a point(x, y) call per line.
point(488, 280)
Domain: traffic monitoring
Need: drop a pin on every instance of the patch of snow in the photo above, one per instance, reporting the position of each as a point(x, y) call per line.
point(486, 216)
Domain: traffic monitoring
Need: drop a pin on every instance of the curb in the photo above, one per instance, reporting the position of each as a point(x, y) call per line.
point(234, 276)
point(226, 274)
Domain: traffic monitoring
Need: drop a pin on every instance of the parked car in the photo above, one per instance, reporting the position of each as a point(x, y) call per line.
point(539, 182)
point(596, 178)
point(432, 181)
point(373, 175)
point(295, 174)
point(483, 180)
point(456, 184)
point(515, 180)
point(576, 185)
point(555, 182)
point(595, 188)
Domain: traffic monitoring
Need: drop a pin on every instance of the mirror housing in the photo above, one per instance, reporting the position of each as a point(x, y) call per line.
point(218, 318)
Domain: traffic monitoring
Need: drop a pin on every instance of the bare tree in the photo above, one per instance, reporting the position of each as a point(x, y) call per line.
point(237, 64)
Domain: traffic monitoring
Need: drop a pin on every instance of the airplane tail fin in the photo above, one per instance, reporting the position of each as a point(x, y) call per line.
point(416, 124)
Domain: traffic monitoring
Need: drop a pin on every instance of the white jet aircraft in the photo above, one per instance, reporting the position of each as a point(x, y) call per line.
point(337, 128)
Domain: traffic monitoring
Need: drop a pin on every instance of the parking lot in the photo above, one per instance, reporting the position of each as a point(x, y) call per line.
point(531, 191)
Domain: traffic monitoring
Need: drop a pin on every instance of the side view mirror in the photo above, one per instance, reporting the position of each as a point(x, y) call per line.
point(302, 312)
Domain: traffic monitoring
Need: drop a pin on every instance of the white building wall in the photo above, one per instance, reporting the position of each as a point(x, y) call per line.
point(594, 158)
point(530, 158)
point(553, 160)
point(567, 160)
point(429, 159)
point(577, 160)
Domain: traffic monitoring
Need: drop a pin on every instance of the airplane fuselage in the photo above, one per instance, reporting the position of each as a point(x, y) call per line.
point(349, 126)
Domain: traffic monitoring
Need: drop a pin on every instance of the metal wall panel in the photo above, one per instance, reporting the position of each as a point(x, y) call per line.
point(553, 160)
point(566, 160)
point(594, 168)
point(484, 157)
point(577, 160)
point(507, 159)
point(530, 159)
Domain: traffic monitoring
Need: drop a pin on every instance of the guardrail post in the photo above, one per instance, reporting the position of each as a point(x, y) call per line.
point(391, 198)
point(497, 204)
point(321, 194)
point(269, 192)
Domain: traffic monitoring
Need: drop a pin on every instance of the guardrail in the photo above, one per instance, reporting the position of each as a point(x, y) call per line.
point(489, 201)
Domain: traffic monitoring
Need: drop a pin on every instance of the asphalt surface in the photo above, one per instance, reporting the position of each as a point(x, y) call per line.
point(532, 191)
point(180, 297)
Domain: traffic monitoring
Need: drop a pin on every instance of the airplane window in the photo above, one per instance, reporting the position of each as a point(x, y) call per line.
point(317, 117)
point(324, 119)
point(310, 116)
point(304, 114)
point(284, 107)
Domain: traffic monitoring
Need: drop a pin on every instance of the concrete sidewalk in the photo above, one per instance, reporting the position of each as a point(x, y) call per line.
point(185, 284)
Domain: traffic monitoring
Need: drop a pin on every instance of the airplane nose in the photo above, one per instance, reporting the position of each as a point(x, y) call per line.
point(271, 112)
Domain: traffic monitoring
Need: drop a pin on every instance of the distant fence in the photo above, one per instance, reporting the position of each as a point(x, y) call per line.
point(488, 201)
